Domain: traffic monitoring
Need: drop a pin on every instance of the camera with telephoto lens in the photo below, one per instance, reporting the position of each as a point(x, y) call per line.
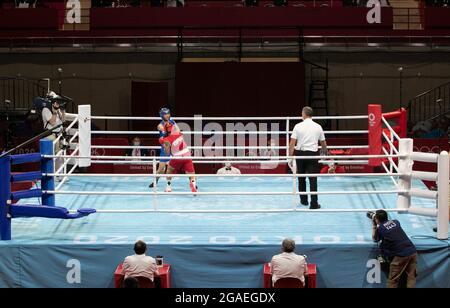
point(370, 215)
point(382, 259)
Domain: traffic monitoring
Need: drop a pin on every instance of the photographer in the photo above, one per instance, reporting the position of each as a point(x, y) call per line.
point(53, 116)
point(397, 248)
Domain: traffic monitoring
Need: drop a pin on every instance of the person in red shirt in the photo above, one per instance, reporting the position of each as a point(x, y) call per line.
point(332, 168)
point(175, 145)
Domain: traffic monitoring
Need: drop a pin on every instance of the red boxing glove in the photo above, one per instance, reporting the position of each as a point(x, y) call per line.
point(162, 140)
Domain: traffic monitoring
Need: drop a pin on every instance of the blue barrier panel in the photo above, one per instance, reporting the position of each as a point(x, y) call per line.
point(23, 194)
point(48, 182)
point(25, 158)
point(5, 192)
point(26, 176)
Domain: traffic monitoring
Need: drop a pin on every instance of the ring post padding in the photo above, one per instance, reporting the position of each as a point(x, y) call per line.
point(375, 130)
point(26, 176)
point(47, 166)
point(443, 193)
point(25, 194)
point(5, 193)
point(403, 123)
point(405, 168)
point(84, 134)
point(25, 158)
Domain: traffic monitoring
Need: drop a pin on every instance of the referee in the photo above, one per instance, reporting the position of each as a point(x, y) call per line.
point(304, 140)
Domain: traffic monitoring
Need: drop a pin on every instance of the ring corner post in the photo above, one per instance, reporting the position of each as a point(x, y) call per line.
point(5, 195)
point(374, 127)
point(84, 133)
point(47, 166)
point(443, 195)
point(405, 164)
point(403, 123)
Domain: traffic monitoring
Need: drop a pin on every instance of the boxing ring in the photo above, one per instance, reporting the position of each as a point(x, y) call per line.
point(236, 219)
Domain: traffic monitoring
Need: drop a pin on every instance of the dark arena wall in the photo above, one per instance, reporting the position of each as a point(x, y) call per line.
point(104, 80)
point(245, 89)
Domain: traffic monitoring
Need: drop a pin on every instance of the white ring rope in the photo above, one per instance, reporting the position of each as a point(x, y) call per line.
point(390, 128)
point(137, 162)
point(391, 161)
point(67, 159)
point(355, 117)
point(223, 147)
point(243, 211)
point(225, 158)
point(75, 121)
point(391, 145)
point(74, 137)
point(65, 177)
point(123, 132)
point(274, 175)
point(270, 162)
point(388, 172)
point(222, 193)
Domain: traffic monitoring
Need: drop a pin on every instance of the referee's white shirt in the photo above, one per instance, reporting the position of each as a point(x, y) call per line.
point(308, 134)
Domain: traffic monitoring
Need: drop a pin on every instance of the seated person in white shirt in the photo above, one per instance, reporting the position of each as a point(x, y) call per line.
point(136, 152)
point(271, 148)
point(288, 264)
point(228, 169)
point(140, 265)
point(130, 283)
point(270, 151)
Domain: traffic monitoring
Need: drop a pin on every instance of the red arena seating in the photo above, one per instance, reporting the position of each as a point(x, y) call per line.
point(164, 276)
point(311, 281)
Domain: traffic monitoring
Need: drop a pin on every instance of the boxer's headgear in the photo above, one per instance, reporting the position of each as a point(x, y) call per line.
point(163, 112)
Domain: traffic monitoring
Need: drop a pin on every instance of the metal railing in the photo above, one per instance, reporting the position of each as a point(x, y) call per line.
point(408, 18)
point(17, 93)
point(215, 3)
point(429, 104)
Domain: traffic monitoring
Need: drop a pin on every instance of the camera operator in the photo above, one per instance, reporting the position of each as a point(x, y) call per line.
point(52, 118)
point(397, 248)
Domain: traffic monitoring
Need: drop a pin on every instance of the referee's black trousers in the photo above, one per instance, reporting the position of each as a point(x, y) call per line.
point(305, 166)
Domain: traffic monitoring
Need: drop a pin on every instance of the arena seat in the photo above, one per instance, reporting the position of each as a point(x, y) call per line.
point(288, 283)
point(145, 283)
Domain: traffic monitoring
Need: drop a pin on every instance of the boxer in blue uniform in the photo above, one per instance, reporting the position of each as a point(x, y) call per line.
point(166, 121)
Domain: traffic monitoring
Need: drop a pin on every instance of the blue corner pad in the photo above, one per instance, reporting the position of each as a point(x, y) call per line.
point(26, 176)
point(24, 194)
point(30, 210)
point(26, 158)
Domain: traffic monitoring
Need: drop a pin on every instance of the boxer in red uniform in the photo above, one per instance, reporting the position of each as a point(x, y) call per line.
point(177, 147)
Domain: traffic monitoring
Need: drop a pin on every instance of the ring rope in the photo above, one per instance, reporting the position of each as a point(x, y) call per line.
point(225, 158)
point(243, 211)
point(388, 172)
point(133, 162)
point(279, 175)
point(390, 128)
point(354, 117)
point(221, 193)
point(123, 132)
point(65, 177)
point(391, 145)
point(218, 147)
point(72, 124)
